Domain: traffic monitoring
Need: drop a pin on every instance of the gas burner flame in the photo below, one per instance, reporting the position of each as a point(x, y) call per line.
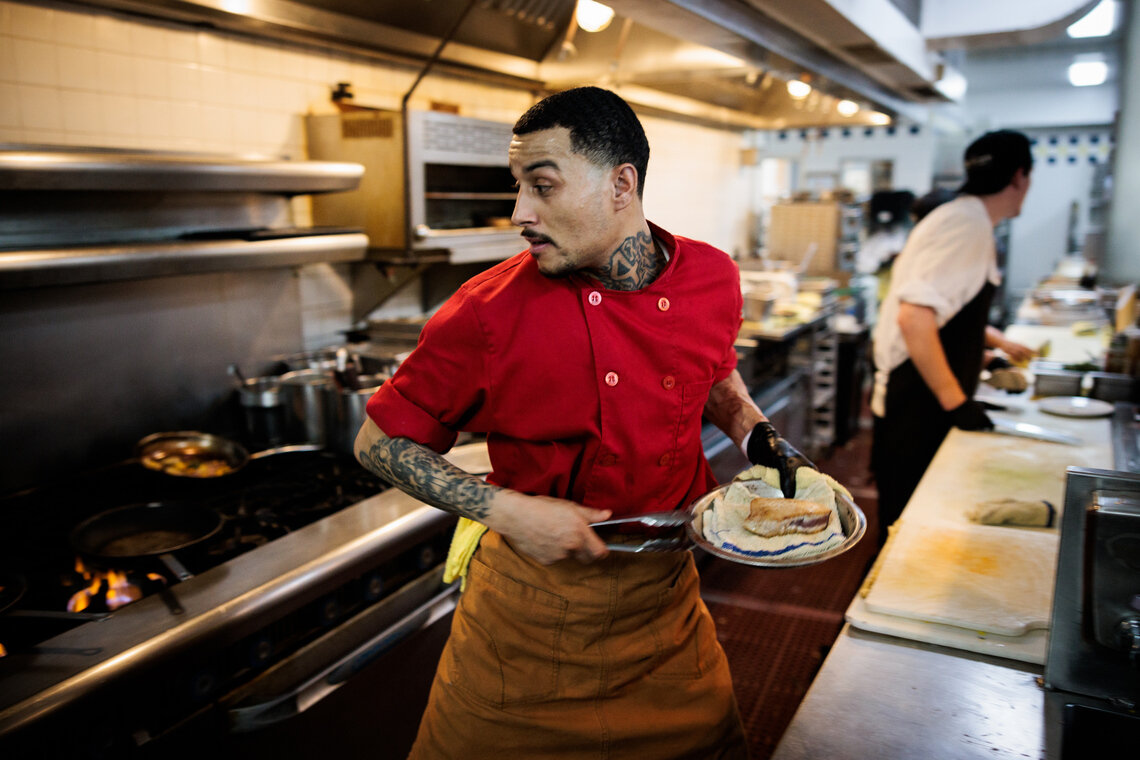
point(3, 651)
point(111, 587)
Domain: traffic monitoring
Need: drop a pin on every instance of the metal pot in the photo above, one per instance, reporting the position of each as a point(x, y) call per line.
point(263, 411)
point(302, 394)
point(344, 412)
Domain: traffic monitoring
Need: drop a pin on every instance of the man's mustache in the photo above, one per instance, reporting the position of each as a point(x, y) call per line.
point(536, 237)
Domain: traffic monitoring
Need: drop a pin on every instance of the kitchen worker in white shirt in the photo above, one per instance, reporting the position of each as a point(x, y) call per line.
point(932, 330)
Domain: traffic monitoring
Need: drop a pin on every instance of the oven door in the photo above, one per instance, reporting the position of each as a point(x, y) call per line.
point(360, 688)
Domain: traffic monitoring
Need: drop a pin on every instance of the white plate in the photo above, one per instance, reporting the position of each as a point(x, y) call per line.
point(852, 519)
point(1075, 406)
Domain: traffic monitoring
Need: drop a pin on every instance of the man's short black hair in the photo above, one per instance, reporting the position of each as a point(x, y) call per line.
point(993, 159)
point(603, 128)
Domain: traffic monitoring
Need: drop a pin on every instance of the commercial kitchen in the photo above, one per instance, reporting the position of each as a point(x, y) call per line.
point(226, 223)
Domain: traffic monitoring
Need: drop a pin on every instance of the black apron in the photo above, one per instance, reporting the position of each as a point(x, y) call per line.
point(914, 425)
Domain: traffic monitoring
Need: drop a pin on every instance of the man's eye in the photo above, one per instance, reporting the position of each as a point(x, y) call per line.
point(542, 189)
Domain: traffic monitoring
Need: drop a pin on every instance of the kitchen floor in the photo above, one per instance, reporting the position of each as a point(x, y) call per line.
point(777, 626)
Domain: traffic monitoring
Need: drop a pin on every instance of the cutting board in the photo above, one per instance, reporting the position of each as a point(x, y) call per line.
point(989, 579)
point(1064, 346)
point(971, 468)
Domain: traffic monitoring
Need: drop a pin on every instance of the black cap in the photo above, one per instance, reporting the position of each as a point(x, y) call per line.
point(993, 159)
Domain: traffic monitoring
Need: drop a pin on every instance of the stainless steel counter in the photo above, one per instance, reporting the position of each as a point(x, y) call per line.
point(882, 697)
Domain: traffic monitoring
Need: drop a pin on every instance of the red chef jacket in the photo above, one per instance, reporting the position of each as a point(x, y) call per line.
point(584, 393)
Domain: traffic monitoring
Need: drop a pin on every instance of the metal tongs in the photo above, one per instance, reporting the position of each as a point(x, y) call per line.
point(652, 532)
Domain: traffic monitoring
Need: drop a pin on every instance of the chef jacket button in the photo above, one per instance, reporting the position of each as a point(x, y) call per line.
point(607, 460)
point(668, 381)
point(611, 379)
point(594, 298)
point(663, 304)
point(664, 460)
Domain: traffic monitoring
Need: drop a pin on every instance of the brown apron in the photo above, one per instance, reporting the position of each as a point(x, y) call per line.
point(615, 659)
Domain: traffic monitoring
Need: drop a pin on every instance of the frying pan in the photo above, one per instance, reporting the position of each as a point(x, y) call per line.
point(156, 449)
point(12, 589)
point(201, 451)
point(137, 532)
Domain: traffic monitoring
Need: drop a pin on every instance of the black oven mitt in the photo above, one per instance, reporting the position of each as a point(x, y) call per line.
point(768, 448)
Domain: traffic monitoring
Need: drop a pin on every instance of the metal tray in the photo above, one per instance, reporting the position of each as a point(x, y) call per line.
point(851, 519)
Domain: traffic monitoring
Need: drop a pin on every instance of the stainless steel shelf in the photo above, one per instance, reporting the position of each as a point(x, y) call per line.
point(24, 169)
point(73, 266)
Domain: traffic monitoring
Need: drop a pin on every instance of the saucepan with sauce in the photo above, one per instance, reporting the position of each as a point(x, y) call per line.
point(191, 454)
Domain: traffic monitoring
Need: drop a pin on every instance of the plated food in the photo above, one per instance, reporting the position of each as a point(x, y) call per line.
point(749, 521)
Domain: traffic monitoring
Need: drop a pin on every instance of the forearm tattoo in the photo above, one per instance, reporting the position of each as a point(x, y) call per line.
point(424, 474)
point(632, 265)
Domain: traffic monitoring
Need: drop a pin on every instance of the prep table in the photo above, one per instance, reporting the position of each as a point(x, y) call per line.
point(896, 686)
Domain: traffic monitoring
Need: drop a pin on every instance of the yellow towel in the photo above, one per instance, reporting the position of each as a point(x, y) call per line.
point(463, 544)
point(805, 476)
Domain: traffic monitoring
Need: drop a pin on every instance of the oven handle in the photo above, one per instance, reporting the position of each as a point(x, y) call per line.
point(292, 703)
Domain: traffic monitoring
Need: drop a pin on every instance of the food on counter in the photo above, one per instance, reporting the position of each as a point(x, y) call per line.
point(188, 463)
point(1008, 379)
point(770, 517)
point(1038, 514)
point(723, 522)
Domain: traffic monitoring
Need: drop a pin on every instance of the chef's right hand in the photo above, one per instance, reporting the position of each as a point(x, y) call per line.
point(969, 415)
point(548, 529)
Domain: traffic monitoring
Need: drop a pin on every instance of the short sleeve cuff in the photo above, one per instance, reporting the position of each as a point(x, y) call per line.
point(922, 294)
point(400, 418)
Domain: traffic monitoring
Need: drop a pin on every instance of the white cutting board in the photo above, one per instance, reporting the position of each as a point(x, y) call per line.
point(988, 579)
point(1064, 346)
point(1028, 648)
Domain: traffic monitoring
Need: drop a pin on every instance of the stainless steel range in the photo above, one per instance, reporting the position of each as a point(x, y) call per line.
point(319, 570)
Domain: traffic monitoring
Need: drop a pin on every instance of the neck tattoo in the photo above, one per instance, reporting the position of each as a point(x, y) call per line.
point(632, 265)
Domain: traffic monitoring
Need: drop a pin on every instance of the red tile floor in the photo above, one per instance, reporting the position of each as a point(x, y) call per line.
point(776, 626)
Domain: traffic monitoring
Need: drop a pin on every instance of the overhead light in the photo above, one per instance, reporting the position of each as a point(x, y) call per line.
point(1087, 73)
point(1099, 22)
point(880, 118)
point(592, 16)
point(798, 89)
point(847, 107)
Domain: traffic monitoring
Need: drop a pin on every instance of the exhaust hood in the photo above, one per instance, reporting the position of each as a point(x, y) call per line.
point(721, 61)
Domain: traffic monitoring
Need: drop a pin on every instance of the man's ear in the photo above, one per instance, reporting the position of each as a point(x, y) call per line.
point(624, 185)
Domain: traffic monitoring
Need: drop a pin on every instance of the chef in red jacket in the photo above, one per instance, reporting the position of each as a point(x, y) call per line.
point(587, 360)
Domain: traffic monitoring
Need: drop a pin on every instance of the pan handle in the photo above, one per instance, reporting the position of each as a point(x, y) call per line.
point(176, 567)
point(286, 450)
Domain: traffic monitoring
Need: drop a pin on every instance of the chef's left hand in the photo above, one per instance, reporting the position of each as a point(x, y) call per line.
point(768, 448)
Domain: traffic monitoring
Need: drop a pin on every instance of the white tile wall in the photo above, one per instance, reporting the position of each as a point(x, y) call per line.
point(72, 76)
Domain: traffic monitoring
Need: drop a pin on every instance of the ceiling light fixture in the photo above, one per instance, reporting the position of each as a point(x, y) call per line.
point(1099, 22)
point(798, 89)
point(880, 118)
point(593, 16)
point(1087, 73)
point(847, 107)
